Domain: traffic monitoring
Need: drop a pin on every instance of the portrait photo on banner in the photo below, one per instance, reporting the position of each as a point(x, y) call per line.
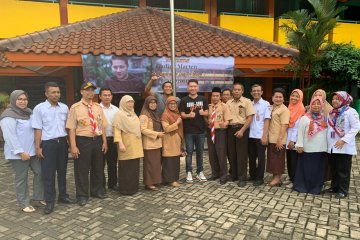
point(124, 74)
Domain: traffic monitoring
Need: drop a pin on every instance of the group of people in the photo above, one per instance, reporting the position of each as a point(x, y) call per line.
point(238, 130)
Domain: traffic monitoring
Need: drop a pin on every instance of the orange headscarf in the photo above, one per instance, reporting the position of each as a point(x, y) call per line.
point(296, 110)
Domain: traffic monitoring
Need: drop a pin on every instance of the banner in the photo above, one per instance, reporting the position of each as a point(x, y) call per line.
point(131, 74)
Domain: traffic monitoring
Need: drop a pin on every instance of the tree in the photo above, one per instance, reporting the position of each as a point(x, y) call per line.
point(307, 32)
point(340, 65)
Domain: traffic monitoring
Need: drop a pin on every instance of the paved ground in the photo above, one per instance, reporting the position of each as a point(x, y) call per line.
point(193, 211)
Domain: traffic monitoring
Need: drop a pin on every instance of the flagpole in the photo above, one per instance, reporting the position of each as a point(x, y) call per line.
point(173, 60)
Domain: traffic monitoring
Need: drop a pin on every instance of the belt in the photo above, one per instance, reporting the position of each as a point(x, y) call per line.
point(236, 125)
point(110, 138)
point(218, 129)
point(90, 138)
point(56, 139)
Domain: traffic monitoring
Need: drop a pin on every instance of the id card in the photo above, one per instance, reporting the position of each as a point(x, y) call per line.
point(332, 134)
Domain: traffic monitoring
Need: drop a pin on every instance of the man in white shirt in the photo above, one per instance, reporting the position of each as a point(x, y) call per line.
point(110, 158)
point(51, 145)
point(258, 135)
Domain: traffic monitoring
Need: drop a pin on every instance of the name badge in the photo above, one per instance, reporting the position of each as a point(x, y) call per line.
point(332, 134)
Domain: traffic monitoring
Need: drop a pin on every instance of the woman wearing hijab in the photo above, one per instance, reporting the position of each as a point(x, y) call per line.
point(327, 108)
point(297, 110)
point(344, 124)
point(311, 145)
point(152, 134)
point(172, 142)
point(19, 149)
point(127, 136)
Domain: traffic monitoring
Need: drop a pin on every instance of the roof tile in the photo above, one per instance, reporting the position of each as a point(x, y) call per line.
point(143, 31)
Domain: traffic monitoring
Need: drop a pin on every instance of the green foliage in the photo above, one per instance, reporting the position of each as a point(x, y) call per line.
point(307, 32)
point(4, 101)
point(339, 61)
point(339, 64)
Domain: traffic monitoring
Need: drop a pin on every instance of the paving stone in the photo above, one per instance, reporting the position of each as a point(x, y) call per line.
point(192, 211)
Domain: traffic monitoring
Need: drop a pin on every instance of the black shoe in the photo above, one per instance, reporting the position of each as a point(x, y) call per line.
point(250, 179)
point(329, 190)
point(258, 183)
point(101, 196)
point(232, 179)
point(223, 181)
point(212, 178)
point(67, 200)
point(242, 184)
point(82, 201)
point(113, 188)
point(49, 208)
point(340, 195)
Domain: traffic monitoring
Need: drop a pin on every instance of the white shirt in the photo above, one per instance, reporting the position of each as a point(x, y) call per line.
point(351, 128)
point(110, 113)
point(19, 137)
point(317, 143)
point(292, 133)
point(50, 120)
point(262, 112)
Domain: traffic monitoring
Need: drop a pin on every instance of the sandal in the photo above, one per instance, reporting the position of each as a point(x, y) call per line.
point(175, 184)
point(28, 209)
point(152, 188)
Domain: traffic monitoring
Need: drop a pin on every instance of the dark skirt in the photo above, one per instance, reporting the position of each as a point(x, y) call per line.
point(309, 177)
point(128, 176)
point(328, 174)
point(170, 169)
point(152, 166)
point(275, 160)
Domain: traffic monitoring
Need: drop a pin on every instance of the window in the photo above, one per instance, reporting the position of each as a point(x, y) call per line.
point(242, 6)
point(197, 5)
point(104, 2)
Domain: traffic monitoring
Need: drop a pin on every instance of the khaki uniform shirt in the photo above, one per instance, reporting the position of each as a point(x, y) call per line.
point(171, 142)
point(79, 120)
point(133, 145)
point(240, 110)
point(279, 116)
point(222, 114)
point(150, 137)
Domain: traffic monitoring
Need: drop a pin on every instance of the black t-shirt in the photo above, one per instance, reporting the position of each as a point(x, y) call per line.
point(194, 125)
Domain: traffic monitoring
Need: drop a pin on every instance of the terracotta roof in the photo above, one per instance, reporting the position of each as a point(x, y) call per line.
point(4, 62)
point(143, 31)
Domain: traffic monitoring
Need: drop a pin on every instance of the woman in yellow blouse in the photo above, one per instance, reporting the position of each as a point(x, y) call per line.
point(127, 136)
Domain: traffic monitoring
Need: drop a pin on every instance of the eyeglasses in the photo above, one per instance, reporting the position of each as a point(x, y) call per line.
point(22, 99)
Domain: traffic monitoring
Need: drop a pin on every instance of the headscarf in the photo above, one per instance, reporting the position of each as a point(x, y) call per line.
point(126, 119)
point(317, 121)
point(151, 113)
point(171, 116)
point(15, 112)
point(327, 106)
point(296, 110)
point(336, 116)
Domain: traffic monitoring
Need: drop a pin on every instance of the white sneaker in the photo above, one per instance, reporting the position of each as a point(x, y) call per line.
point(201, 177)
point(189, 178)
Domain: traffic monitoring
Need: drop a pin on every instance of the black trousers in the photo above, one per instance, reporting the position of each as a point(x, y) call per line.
point(256, 152)
point(90, 161)
point(291, 162)
point(340, 167)
point(238, 153)
point(55, 160)
point(110, 158)
point(217, 153)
